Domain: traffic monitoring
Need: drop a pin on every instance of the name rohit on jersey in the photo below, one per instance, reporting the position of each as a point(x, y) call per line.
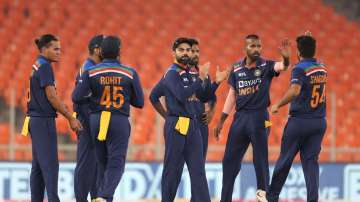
point(318, 79)
point(249, 86)
point(110, 80)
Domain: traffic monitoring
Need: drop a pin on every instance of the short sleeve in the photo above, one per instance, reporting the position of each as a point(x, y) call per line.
point(232, 79)
point(46, 75)
point(297, 76)
point(271, 65)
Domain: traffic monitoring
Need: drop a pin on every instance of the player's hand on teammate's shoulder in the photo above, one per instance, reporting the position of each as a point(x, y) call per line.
point(274, 109)
point(285, 48)
point(75, 124)
point(204, 70)
point(221, 75)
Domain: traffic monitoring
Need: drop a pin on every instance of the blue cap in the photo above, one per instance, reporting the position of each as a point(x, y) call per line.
point(96, 42)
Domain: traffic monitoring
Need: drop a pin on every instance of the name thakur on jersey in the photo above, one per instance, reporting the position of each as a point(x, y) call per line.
point(317, 79)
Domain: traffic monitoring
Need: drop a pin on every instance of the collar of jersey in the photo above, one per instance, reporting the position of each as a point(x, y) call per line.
point(91, 61)
point(180, 66)
point(308, 60)
point(41, 57)
point(110, 61)
point(259, 62)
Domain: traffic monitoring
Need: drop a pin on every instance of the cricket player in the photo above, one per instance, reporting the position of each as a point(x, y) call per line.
point(249, 81)
point(306, 125)
point(85, 170)
point(204, 116)
point(183, 140)
point(112, 87)
point(43, 103)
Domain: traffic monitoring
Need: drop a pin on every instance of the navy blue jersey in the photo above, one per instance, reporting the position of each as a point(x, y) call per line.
point(205, 94)
point(110, 86)
point(159, 91)
point(41, 76)
point(179, 91)
point(311, 102)
point(252, 85)
point(83, 109)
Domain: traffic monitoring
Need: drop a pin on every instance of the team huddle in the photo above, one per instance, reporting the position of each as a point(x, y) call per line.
point(105, 89)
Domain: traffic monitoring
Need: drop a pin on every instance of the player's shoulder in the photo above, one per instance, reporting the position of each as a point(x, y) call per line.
point(306, 64)
point(264, 62)
point(236, 66)
point(174, 69)
point(88, 64)
point(42, 62)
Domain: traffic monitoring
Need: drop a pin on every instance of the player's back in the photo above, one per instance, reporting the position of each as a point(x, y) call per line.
point(114, 88)
point(311, 102)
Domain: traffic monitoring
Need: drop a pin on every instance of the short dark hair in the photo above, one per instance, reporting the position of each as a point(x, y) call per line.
point(179, 41)
point(110, 47)
point(306, 46)
point(95, 42)
point(193, 41)
point(252, 36)
point(45, 40)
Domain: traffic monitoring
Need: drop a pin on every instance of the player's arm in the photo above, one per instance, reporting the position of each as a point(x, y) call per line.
point(289, 96)
point(155, 95)
point(82, 90)
point(173, 82)
point(137, 98)
point(228, 106)
point(61, 107)
point(297, 76)
point(285, 54)
point(209, 115)
point(47, 81)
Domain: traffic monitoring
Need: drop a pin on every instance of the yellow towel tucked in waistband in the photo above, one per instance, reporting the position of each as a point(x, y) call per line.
point(25, 128)
point(104, 125)
point(182, 125)
point(74, 114)
point(267, 124)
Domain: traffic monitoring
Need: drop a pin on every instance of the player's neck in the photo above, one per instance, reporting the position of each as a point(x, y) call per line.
point(249, 63)
point(94, 58)
point(45, 56)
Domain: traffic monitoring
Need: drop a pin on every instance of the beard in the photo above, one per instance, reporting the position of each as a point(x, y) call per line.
point(254, 56)
point(183, 59)
point(194, 62)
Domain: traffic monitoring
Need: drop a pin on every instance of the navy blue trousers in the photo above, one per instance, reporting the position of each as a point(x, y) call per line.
point(247, 127)
point(180, 149)
point(304, 135)
point(85, 170)
point(204, 131)
point(45, 163)
point(111, 153)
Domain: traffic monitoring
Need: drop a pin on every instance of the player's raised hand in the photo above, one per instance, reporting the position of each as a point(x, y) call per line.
point(204, 70)
point(75, 124)
point(221, 75)
point(285, 48)
point(217, 130)
point(274, 109)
